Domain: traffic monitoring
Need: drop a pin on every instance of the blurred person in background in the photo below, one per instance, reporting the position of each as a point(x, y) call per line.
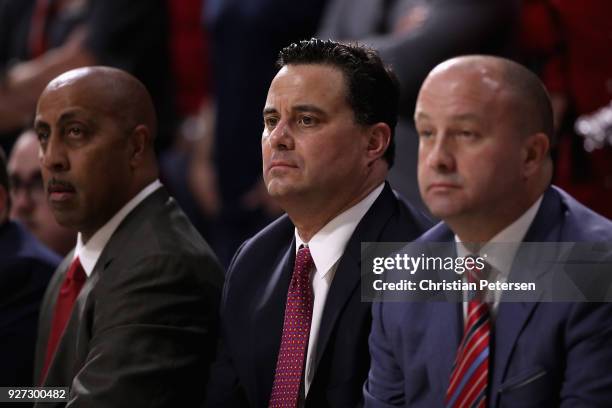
point(40, 39)
point(187, 168)
point(25, 269)
point(568, 43)
point(245, 38)
point(29, 205)
point(413, 36)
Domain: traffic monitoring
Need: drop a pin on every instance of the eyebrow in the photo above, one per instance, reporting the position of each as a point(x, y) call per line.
point(461, 117)
point(421, 115)
point(298, 108)
point(65, 117)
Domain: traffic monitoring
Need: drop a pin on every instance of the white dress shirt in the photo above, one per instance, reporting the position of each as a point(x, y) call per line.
point(326, 248)
point(500, 252)
point(89, 252)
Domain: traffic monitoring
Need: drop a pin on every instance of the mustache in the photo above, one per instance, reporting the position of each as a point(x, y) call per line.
point(54, 185)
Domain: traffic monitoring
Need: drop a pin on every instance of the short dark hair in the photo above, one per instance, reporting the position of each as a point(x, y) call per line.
point(372, 87)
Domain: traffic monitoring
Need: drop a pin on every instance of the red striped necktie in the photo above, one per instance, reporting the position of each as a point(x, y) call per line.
point(296, 332)
point(469, 378)
point(73, 282)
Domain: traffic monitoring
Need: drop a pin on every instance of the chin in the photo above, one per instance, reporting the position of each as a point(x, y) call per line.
point(443, 210)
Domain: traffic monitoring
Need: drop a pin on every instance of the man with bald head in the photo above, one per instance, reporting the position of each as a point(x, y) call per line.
point(485, 131)
point(129, 318)
point(29, 205)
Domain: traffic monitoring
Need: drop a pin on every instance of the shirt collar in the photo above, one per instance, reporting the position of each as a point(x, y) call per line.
point(501, 249)
point(327, 245)
point(88, 253)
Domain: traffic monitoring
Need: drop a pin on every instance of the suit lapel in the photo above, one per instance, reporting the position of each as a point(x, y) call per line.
point(513, 316)
point(348, 274)
point(267, 323)
point(47, 308)
point(445, 334)
point(446, 319)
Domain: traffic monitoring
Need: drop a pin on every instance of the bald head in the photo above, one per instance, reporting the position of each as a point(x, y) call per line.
point(117, 92)
point(526, 95)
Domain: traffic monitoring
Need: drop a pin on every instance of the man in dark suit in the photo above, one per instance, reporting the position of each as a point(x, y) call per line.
point(130, 317)
point(485, 127)
point(327, 146)
point(25, 269)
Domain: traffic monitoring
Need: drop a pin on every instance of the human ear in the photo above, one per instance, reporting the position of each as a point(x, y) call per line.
point(140, 141)
point(535, 151)
point(379, 139)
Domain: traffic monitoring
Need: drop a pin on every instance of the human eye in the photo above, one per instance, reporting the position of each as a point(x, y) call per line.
point(425, 132)
point(466, 134)
point(307, 121)
point(75, 131)
point(270, 122)
point(43, 136)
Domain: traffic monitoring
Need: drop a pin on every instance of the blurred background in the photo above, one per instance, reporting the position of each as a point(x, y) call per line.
point(208, 65)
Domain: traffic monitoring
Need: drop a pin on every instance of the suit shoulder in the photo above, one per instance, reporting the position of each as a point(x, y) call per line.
point(278, 233)
point(410, 212)
point(25, 247)
point(582, 223)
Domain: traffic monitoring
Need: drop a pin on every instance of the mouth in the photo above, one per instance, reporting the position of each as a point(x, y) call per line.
point(281, 164)
point(442, 186)
point(59, 191)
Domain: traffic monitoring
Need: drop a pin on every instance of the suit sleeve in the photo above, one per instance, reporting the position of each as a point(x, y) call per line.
point(154, 330)
point(588, 378)
point(224, 387)
point(385, 384)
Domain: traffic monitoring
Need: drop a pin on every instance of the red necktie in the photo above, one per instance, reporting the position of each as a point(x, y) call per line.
point(469, 378)
point(296, 331)
point(73, 282)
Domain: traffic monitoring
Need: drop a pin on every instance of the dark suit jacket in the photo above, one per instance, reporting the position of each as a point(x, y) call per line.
point(544, 354)
point(143, 329)
point(253, 307)
point(26, 266)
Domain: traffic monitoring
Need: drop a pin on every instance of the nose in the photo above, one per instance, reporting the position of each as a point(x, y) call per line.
point(22, 202)
point(53, 155)
point(439, 155)
point(280, 137)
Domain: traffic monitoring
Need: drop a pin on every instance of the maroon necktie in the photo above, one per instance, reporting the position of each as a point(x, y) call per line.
point(469, 378)
point(296, 331)
point(73, 282)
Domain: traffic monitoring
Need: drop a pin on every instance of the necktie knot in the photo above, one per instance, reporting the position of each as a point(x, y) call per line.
point(477, 270)
point(76, 271)
point(303, 266)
